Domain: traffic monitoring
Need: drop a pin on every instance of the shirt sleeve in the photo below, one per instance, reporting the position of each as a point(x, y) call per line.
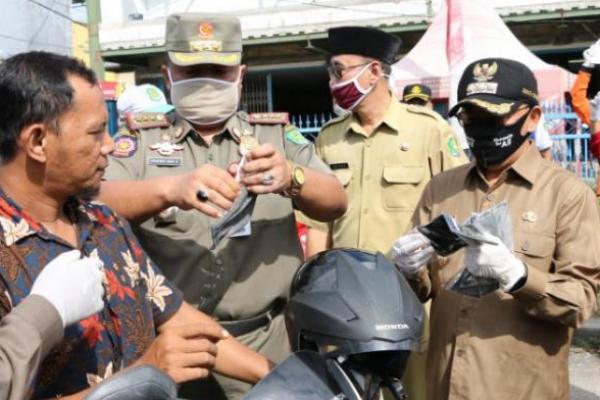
point(422, 284)
point(579, 100)
point(165, 297)
point(446, 152)
point(27, 334)
point(567, 294)
point(301, 151)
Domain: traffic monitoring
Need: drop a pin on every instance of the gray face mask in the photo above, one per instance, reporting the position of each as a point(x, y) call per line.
point(235, 220)
point(205, 101)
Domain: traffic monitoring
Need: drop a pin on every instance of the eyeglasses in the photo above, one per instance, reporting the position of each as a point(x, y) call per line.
point(467, 117)
point(338, 70)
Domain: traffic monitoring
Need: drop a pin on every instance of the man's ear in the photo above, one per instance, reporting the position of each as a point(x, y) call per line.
point(243, 71)
point(532, 121)
point(33, 141)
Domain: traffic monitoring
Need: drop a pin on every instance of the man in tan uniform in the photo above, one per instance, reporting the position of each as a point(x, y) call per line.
point(171, 167)
point(384, 153)
point(512, 343)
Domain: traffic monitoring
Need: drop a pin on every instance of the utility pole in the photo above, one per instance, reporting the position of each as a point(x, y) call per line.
point(94, 18)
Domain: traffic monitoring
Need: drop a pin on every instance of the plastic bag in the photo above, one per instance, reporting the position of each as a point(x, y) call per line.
point(447, 236)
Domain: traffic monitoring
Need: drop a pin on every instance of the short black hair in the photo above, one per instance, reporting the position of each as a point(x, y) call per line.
point(34, 88)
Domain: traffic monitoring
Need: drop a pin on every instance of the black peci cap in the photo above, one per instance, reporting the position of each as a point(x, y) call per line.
point(496, 85)
point(362, 41)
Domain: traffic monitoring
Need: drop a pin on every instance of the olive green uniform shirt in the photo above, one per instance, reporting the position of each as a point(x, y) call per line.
point(512, 346)
point(385, 173)
point(260, 266)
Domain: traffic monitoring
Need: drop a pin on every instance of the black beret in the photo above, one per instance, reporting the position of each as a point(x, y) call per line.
point(362, 41)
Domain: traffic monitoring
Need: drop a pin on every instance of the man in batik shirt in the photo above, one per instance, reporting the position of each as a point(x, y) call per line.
point(54, 148)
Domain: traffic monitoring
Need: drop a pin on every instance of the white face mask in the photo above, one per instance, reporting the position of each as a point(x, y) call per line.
point(205, 101)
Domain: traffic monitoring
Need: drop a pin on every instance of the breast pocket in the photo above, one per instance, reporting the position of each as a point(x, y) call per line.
point(402, 186)
point(535, 249)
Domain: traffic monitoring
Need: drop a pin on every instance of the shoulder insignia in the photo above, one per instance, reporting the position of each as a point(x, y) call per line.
point(336, 120)
point(424, 111)
point(453, 147)
point(293, 134)
point(125, 146)
point(146, 120)
point(124, 131)
point(270, 118)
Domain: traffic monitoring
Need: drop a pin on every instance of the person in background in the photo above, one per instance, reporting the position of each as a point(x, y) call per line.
point(417, 94)
point(383, 152)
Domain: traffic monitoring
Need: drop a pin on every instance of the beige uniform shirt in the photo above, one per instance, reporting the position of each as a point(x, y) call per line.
point(260, 265)
point(385, 173)
point(27, 334)
point(513, 346)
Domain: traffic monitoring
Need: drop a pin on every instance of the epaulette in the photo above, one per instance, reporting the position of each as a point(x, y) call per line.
point(146, 120)
point(424, 111)
point(336, 120)
point(269, 118)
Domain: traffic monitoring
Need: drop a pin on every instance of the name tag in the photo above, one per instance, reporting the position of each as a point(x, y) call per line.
point(339, 166)
point(165, 162)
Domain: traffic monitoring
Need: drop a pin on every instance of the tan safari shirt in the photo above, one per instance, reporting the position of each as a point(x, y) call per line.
point(513, 346)
point(259, 266)
point(385, 173)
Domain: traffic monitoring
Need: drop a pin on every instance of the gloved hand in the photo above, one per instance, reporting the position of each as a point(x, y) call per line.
point(73, 285)
point(495, 261)
point(412, 252)
point(591, 56)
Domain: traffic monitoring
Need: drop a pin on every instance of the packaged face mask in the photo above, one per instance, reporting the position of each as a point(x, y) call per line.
point(236, 220)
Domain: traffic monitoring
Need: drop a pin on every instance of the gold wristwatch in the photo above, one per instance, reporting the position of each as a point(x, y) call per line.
point(297, 182)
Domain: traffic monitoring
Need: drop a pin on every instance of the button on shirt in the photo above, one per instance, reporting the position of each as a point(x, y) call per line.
point(139, 297)
point(513, 346)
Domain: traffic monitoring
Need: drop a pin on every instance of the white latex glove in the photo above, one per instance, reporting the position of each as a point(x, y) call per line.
point(591, 56)
point(595, 108)
point(73, 285)
point(494, 261)
point(412, 252)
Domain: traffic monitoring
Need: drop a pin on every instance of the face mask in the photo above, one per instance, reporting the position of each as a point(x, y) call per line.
point(491, 145)
point(238, 217)
point(348, 94)
point(205, 101)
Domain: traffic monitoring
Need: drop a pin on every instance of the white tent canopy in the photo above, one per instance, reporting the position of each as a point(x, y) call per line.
point(471, 30)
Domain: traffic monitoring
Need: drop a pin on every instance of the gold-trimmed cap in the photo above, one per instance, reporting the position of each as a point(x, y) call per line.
point(496, 85)
point(199, 38)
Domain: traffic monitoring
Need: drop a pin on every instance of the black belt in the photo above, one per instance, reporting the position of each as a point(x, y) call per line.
point(243, 326)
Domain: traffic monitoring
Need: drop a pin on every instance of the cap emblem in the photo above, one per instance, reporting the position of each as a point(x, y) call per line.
point(484, 72)
point(206, 30)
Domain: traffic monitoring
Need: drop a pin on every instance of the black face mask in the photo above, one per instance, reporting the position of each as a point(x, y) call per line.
point(491, 143)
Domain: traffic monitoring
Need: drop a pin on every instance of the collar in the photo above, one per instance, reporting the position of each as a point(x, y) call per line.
point(390, 119)
point(181, 128)
point(526, 166)
point(16, 224)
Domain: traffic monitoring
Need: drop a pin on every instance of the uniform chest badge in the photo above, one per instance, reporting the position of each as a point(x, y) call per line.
point(166, 148)
point(529, 216)
point(248, 142)
point(125, 146)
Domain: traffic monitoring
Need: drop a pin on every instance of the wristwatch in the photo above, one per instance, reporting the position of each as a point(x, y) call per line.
point(297, 182)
